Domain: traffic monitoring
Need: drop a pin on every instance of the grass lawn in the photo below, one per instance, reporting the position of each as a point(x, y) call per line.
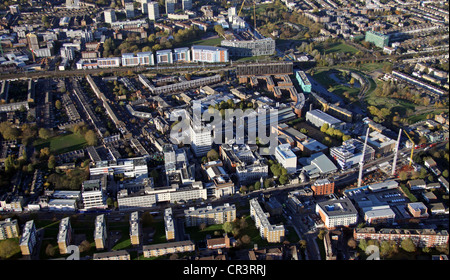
point(336, 48)
point(62, 143)
point(206, 42)
point(369, 67)
point(323, 77)
point(196, 234)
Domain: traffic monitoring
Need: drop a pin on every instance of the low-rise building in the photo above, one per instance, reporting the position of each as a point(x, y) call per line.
point(420, 237)
point(121, 255)
point(161, 249)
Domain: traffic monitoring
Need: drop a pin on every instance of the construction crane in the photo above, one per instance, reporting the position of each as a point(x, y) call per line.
point(254, 12)
point(412, 148)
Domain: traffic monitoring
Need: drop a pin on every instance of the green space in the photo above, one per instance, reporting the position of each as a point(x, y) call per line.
point(9, 249)
point(372, 66)
point(341, 89)
point(206, 42)
point(62, 143)
point(198, 234)
point(336, 47)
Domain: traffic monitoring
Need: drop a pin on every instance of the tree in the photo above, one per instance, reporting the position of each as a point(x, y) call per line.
point(58, 104)
point(90, 138)
point(257, 185)
point(408, 245)
point(212, 155)
point(324, 128)
point(85, 246)
point(227, 227)
point(51, 162)
point(284, 179)
point(44, 133)
point(403, 176)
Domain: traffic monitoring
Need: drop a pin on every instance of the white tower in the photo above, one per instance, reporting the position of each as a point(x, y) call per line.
point(361, 161)
point(394, 163)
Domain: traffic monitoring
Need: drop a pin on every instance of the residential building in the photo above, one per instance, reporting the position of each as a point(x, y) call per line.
point(161, 249)
point(323, 187)
point(186, 5)
point(100, 232)
point(219, 243)
point(169, 225)
point(141, 58)
point(9, 229)
point(108, 62)
point(246, 48)
point(64, 235)
point(303, 81)
point(28, 241)
point(135, 229)
point(378, 39)
point(121, 255)
point(337, 213)
point(272, 233)
point(286, 157)
point(210, 215)
point(201, 139)
point(110, 16)
point(170, 6)
point(421, 237)
point(182, 55)
point(164, 56)
point(209, 54)
point(153, 10)
point(129, 10)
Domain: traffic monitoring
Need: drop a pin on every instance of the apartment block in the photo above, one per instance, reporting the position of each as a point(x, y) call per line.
point(135, 229)
point(101, 233)
point(9, 229)
point(420, 237)
point(169, 225)
point(157, 250)
point(209, 54)
point(121, 255)
point(28, 239)
point(272, 233)
point(323, 187)
point(337, 213)
point(210, 215)
point(64, 235)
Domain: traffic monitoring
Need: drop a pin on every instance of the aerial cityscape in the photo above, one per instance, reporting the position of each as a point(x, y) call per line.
point(224, 130)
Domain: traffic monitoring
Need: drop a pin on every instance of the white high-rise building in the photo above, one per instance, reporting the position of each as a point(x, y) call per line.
point(286, 157)
point(110, 16)
point(129, 9)
point(170, 6)
point(73, 4)
point(153, 10)
point(187, 5)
